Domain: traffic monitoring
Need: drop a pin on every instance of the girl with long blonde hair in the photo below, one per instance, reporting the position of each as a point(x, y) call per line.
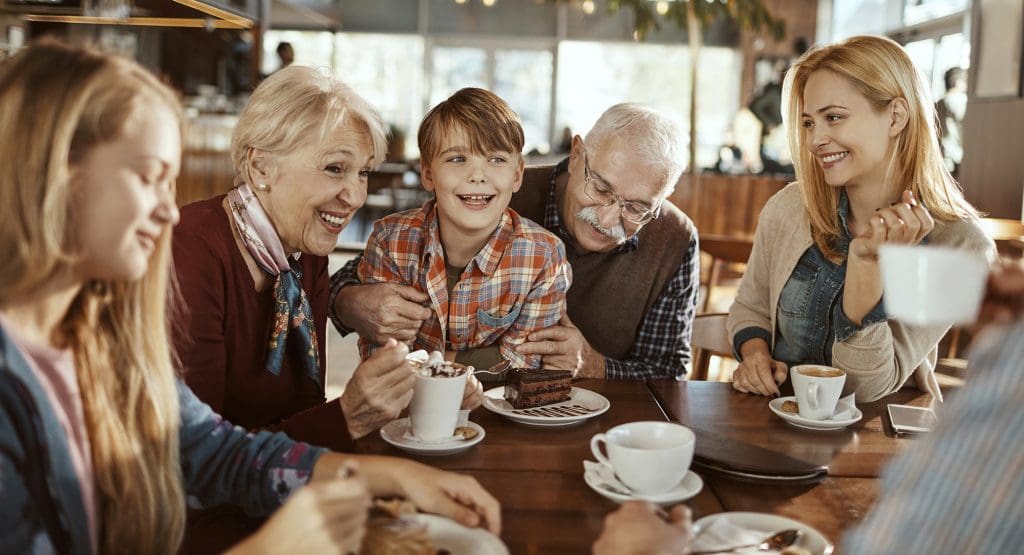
point(869, 171)
point(99, 441)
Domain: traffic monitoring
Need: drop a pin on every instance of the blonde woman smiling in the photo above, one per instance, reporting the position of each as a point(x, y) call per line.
point(869, 170)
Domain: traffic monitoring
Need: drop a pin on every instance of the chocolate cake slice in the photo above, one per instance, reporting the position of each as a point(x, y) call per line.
point(526, 388)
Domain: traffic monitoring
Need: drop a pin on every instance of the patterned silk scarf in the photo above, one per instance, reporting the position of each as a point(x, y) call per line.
point(293, 318)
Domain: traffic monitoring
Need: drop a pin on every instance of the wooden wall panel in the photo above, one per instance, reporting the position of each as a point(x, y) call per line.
point(992, 173)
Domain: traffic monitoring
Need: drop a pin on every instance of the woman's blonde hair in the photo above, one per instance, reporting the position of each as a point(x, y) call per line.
point(881, 71)
point(297, 104)
point(57, 103)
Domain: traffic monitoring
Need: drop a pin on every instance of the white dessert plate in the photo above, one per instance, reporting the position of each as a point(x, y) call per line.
point(763, 525)
point(687, 488)
point(457, 539)
point(818, 425)
point(398, 433)
point(592, 403)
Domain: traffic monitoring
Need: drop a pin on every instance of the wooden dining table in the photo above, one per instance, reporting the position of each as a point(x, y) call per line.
point(537, 473)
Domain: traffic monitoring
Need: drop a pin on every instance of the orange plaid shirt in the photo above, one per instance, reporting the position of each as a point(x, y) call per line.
point(514, 286)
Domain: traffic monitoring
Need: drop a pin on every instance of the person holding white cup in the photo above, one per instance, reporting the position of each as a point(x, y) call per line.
point(870, 173)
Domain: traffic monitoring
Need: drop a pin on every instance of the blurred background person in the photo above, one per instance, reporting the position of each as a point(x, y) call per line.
point(950, 111)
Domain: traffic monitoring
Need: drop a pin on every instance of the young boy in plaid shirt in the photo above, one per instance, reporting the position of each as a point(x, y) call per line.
point(493, 277)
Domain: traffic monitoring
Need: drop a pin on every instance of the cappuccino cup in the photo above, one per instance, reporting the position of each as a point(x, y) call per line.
point(817, 389)
point(434, 409)
point(649, 457)
point(930, 285)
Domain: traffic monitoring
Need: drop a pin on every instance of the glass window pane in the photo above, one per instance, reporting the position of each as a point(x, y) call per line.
point(922, 53)
point(951, 51)
point(593, 76)
point(454, 68)
point(857, 17)
point(386, 70)
point(523, 79)
point(917, 11)
point(312, 48)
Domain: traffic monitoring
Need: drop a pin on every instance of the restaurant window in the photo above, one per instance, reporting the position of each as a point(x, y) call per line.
point(312, 48)
point(522, 76)
point(858, 17)
point(595, 75)
point(386, 70)
point(919, 11)
point(934, 56)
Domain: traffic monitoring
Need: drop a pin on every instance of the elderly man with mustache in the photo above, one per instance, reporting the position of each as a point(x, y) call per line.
point(634, 256)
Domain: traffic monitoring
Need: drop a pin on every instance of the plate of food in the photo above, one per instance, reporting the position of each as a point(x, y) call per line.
point(544, 398)
point(394, 526)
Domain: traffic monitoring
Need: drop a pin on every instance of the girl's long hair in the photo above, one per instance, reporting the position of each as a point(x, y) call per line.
point(881, 71)
point(56, 104)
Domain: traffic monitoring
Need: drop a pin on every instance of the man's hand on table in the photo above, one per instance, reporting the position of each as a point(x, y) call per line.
point(640, 527)
point(382, 311)
point(563, 347)
point(379, 389)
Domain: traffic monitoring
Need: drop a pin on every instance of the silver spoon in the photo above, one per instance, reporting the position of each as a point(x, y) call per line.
point(496, 370)
point(774, 542)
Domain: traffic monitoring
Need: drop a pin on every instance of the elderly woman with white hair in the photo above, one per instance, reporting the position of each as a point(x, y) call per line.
point(252, 267)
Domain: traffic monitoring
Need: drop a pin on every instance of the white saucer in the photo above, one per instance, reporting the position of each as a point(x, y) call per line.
point(768, 524)
point(818, 425)
point(446, 534)
point(494, 401)
point(395, 434)
point(687, 488)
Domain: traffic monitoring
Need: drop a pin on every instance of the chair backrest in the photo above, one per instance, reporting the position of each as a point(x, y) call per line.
point(1007, 234)
point(723, 250)
point(709, 337)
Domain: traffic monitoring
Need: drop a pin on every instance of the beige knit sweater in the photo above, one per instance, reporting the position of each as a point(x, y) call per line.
point(880, 358)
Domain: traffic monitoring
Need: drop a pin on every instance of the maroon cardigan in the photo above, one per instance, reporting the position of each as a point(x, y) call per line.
point(225, 327)
point(221, 338)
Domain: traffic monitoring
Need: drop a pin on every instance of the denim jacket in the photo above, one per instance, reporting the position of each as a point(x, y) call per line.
point(810, 313)
point(41, 505)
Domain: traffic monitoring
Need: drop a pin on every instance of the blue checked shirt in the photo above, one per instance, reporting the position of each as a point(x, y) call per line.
point(661, 348)
point(960, 489)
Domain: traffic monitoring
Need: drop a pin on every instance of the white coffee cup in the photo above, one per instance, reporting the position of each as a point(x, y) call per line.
point(649, 457)
point(817, 389)
point(434, 410)
point(931, 285)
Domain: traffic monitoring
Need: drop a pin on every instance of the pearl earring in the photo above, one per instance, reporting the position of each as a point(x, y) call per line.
point(262, 186)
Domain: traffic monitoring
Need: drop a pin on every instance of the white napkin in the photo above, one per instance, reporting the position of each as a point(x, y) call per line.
point(844, 408)
point(605, 476)
point(462, 421)
point(722, 534)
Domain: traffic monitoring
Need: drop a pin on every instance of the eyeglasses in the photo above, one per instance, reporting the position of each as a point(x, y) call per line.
point(602, 193)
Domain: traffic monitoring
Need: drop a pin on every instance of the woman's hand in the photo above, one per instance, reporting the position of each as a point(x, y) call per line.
point(639, 527)
point(758, 372)
point(324, 516)
point(379, 389)
point(906, 222)
point(473, 396)
point(455, 496)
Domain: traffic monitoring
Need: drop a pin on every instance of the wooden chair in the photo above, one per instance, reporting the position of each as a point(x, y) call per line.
point(1008, 235)
point(708, 338)
point(723, 250)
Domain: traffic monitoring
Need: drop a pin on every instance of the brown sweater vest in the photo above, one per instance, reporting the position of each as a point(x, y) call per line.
point(612, 292)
